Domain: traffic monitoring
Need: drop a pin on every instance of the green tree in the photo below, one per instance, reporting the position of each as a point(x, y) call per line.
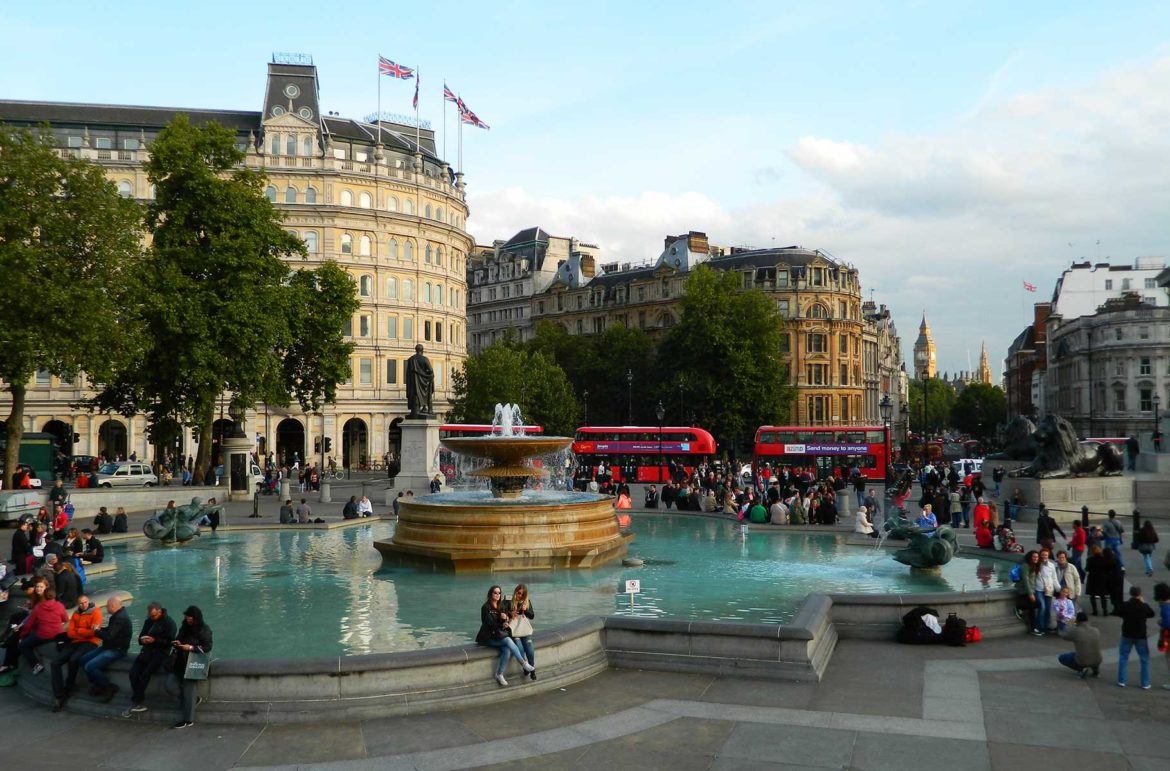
point(727, 347)
point(979, 410)
point(504, 373)
point(224, 313)
point(939, 398)
point(70, 254)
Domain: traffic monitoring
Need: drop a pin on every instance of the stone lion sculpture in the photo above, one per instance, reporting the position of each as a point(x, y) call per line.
point(179, 524)
point(1017, 440)
point(927, 547)
point(1060, 454)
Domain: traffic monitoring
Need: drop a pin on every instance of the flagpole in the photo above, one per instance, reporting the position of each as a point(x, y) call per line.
point(444, 120)
point(417, 128)
point(379, 105)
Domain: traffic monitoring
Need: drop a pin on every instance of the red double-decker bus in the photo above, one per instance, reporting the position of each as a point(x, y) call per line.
point(640, 454)
point(830, 449)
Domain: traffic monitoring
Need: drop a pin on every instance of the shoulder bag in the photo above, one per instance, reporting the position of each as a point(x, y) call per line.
point(521, 626)
point(198, 665)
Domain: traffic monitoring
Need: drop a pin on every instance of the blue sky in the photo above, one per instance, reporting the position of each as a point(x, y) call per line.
point(949, 150)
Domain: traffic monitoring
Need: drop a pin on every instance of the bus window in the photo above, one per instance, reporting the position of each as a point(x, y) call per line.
point(803, 437)
point(875, 437)
point(854, 437)
point(824, 437)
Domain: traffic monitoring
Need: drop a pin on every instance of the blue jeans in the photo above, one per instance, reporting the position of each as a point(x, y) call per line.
point(1043, 609)
point(507, 646)
point(1074, 558)
point(95, 662)
point(1148, 559)
point(28, 648)
point(1143, 652)
point(1114, 545)
point(1070, 660)
point(529, 651)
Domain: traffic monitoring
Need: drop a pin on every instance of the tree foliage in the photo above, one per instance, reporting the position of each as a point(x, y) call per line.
point(939, 399)
point(70, 256)
point(505, 373)
point(725, 353)
point(223, 310)
point(979, 409)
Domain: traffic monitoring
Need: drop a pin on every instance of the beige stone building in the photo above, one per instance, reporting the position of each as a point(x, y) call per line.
point(818, 296)
point(364, 194)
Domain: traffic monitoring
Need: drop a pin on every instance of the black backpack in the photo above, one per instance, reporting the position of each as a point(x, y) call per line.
point(954, 631)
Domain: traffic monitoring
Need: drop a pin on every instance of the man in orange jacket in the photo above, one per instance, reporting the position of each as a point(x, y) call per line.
point(81, 631)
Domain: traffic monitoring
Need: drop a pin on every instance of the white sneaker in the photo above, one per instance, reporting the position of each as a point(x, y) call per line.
point(500, 679)
point(527, 667)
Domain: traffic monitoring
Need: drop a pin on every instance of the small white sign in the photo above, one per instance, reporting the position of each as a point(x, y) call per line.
point(633, 586)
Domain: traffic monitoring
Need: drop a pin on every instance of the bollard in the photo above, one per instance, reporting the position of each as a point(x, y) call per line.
point(285, 489)
point(325, 497)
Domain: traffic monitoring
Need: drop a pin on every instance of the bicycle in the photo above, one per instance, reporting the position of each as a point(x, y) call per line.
point(334, 474)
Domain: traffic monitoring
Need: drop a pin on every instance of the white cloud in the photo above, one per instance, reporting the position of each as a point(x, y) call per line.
point(951, 223)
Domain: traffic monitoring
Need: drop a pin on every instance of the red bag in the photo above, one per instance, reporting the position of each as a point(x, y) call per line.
point(973, 634)
point(1164, 641)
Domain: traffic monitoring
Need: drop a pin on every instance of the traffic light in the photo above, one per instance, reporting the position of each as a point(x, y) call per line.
point(317, 447)
point(328, 444)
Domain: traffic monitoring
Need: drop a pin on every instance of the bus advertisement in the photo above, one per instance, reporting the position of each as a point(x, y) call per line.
point(831, 450)
point(640, 454)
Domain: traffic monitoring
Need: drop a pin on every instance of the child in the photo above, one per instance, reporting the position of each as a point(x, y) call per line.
point(1065, 610)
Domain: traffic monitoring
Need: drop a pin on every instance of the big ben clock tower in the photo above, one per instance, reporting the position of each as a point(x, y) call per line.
point(925, 364)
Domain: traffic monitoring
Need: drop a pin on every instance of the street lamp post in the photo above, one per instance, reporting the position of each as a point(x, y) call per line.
point(629, 397)
point(887, 408)
point(1157, 437)
point(585, 398)
point(681, 416)
point(660, 411)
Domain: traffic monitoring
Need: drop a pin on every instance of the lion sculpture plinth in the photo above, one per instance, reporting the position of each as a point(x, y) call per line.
point(1060, 454)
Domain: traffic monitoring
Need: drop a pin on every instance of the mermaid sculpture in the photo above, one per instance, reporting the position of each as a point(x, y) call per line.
point(927, 548)
point(179, 524)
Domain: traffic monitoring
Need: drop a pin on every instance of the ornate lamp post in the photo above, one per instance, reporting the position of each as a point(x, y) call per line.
point(585, 398)
point(660, 411)
point(1157, 437)
point(886, 407)
point(629, 397)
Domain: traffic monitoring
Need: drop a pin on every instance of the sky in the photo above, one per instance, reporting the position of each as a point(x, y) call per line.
point(950, 151)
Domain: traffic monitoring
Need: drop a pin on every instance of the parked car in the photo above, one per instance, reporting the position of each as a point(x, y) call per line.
point(126, 474)
point(33, 479)
point(15, 504)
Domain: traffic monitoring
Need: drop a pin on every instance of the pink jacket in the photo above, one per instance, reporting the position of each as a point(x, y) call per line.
point(47, 620)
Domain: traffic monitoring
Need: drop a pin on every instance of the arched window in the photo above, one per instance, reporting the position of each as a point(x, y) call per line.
point(408, 290)
point(426, 298)
point(125, 189)
point(307, 146)
point(290, 194)
point(409, 251)
point(364, 200)
point(439, 214)
point(408, 206)
point(366, 286)
point(817, 311)
point(311, 195)
point(391, 203)
point(346, 243)
point(392, 249)
point(438, 255)
point(346, 198)
point(428, 211)
point(392, 288)
point(310, 241)
point(275, 145)
point(438, 294)
point(428, 255)
point(290, 145)
point(270, 191)
point(364, 246)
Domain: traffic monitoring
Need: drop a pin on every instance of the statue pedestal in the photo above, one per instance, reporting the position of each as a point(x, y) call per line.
point(931, 571)
point(238, 467)
point(419, 462)
point(1063, 496)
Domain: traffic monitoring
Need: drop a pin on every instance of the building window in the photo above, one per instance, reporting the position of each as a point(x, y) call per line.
point(407, 206)
point(785, 343)
point(1146, 367)
point(408, 290)
point(428, 211)
point(1119, 399)
point(1147, 400)
point(427, 330)
point(364, 246)
point(817, 311)
point(428, 254)
point(392, 288)
point(43, 377)
point(290, 195)
point(364, 200)
point(1108, 284)
point(817, 343)
point(1126, 284)
point(307, 146)
point(844, 375)
point(365, 286)
point(346, 243)
point(817, 374)
point(275, 146)
point(364, 326)
point(73, 142)
point(1144, 333)
point(843, 345)
point(347, 328)
point(270, 193)
point(392, 249)
point(409, 251)
point(408, 328)
point(346, 198)
point(1119, 367)
point(438, 331)
point(781, 278)
point(125, 189)
point(844, 409)
point(842, 310)
point(1118, 333)
point(391, 204)
point(290, 145)
point(426, 298)
point(392, 327)
point(310, 241)
point(311, 195)
point(438, 255)
point(365, 371)
point(782, 308)
point(391, 371)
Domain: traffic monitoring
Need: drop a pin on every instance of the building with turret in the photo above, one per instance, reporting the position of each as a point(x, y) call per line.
point(925, 356)
point(984, 365)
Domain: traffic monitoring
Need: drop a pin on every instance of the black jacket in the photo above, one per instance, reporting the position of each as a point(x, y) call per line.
point(199, 635)
point(162, 630)
point(120, 523)
point(1134, 613)
point(116, 634)
point(68, 587)
point(21, 548)
point(92, 550)
point(491, 626)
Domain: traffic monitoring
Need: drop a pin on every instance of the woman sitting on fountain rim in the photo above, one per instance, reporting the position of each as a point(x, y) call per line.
point(520, 623)
point(495, 632)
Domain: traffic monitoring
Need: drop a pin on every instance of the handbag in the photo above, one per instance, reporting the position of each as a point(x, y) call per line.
point(521, 626)
point(198, 665)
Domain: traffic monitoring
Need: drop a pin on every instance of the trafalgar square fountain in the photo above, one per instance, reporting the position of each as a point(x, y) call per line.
point(509, 527)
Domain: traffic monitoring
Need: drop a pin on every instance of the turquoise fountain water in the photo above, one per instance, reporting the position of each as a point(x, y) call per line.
point(299, 593)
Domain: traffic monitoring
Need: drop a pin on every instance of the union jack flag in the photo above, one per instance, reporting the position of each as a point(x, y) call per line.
point(387, 67)
point(468, 116)
point(417, 80)
point(449, 95)
point(1029, 287)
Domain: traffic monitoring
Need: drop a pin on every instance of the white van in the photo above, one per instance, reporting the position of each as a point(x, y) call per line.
point(127, 473)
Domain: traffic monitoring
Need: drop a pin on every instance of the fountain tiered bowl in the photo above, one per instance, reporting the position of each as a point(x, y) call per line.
point(509, 527)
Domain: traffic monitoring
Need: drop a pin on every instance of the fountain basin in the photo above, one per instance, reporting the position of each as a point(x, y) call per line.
point(469, 532)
